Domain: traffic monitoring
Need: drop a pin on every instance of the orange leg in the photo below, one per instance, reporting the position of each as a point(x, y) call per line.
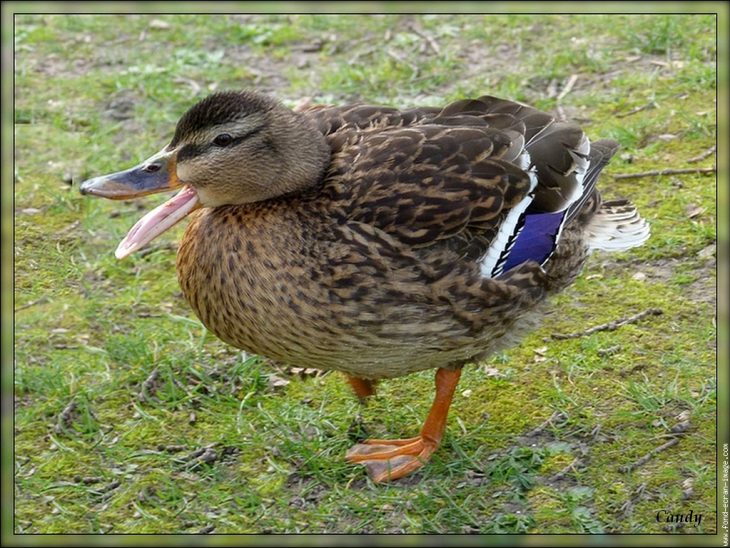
point(363, 388)
point(392, 459)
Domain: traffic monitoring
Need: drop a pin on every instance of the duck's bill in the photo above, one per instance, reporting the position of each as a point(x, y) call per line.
point(157, 174)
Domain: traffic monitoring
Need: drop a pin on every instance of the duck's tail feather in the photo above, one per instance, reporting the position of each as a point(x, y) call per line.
point(617, 226)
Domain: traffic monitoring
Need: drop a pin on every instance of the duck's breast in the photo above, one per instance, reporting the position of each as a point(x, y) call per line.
point(244, 271)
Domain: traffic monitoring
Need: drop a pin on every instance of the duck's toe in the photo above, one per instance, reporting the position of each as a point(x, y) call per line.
point(388, 460)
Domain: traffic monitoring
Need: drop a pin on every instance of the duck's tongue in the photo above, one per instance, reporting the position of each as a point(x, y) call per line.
point(157, 221)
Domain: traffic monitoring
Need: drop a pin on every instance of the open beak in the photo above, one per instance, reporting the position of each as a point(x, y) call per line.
point(156, 174)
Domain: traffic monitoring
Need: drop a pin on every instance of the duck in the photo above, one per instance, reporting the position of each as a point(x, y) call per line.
point(373, 240)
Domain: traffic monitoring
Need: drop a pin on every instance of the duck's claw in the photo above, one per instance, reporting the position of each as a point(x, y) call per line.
point(388, 460)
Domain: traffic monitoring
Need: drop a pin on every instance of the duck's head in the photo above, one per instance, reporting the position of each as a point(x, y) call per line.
point(230, 148)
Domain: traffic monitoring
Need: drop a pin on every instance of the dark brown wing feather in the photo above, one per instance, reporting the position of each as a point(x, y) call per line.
point(556, 149)
point(426, 183)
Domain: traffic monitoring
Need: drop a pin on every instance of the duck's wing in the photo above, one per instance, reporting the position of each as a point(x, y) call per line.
point(464, 177)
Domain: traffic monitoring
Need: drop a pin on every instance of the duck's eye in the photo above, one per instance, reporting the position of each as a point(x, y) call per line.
point(223, 140)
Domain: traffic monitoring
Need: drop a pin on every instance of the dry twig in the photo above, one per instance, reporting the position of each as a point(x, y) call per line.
point(565, 471)
point(567, 88)
point(364, 53)
point(430, 40)
point(42, 300)
point(709, 152)
point(650, 104)
point(649, 455)
point(556, 416)
point(149, 386)
point(66, 418)
point(610, 326)
point(402, 59)
point(661, 172)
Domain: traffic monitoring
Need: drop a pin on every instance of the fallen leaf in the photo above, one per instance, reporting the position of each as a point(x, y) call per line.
point(639, 277)
point(69, 228)
point(707, 252)
point(277, 382)
point(693, 210)
point(684, 416)
point(159, 24)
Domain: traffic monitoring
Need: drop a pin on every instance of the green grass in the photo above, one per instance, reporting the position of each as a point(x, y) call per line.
point(173, 431)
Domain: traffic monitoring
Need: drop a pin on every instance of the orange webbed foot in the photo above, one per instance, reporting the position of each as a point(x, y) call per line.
point(387, 460)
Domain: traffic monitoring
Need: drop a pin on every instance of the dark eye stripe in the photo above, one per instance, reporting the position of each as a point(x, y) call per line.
point(191, 151)
point(246, 135)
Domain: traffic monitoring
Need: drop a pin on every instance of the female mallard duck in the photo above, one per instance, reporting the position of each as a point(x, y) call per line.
point(376, 241)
